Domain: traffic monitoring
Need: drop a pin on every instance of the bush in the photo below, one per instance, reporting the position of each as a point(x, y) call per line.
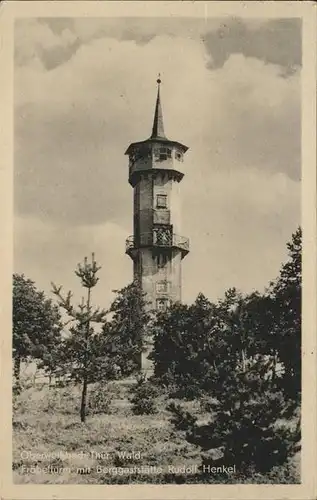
point(242, 423)
point(206, 403)
point(181, 418)
point(99, 400)
point(143, 397)
point(188, 392)
point(19, 404)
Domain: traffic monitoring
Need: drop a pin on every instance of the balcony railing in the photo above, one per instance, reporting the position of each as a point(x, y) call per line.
point(181, 242)
point(149, 240)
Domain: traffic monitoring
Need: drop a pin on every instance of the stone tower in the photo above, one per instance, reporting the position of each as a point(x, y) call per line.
point(156, 246)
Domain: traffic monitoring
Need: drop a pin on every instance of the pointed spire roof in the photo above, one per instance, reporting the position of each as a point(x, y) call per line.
point(158, 134)
point(158, 125)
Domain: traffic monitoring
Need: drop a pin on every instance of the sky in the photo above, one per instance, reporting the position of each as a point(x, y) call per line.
point(85, 88)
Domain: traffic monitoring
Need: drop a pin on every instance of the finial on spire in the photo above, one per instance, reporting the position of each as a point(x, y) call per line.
point(158, 126)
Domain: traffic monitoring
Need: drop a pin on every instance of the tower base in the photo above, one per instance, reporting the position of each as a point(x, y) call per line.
point(147, 365)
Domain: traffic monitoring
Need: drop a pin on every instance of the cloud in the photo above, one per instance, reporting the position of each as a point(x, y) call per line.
point(73, 123)
point(56, 40)
point(36, 42)
point(257, 122)
point(276, 41)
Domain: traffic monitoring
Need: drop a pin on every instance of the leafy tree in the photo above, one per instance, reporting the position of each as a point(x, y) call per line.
point(79, 349)
point(235, 322)
point(276, 321)
point(190, 341)
point(183, 351)
point(52, 362)
point(127, 334)
point(36, 324)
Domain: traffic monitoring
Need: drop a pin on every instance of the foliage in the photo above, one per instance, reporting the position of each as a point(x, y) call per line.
point(79, 350)
point(45, 432)
point(244, 420)
point(181, 419)
point(230, 351)
point(36, 324)
point(286, 298)
point(99, 400)
point(143, 396)
point(183, 351)
point(191, 341)
point(90, 356)
point(125, 337)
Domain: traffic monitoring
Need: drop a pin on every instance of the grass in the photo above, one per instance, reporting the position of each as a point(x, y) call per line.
point(48, 434)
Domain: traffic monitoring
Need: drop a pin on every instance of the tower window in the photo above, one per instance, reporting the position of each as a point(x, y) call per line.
point(162, 154)
point(161, 261)
point(161, 201)
point(146, 153)
point(162, 304)
point(165, 153)
point(131, 159)
point(178, 156)
point(162, 287)
point(139, 154)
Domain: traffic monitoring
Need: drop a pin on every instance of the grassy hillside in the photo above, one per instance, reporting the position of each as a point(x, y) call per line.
point(52, 446)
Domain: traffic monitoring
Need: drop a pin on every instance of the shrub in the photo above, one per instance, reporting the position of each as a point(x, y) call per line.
point(206, 403)
point(99, 400)
point(242, 422)
point(143, 397)
point(181, 419)
point(188, 392)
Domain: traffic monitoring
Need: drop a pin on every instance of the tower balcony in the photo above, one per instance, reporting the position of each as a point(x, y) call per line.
point(157, 240)
point(181, 242)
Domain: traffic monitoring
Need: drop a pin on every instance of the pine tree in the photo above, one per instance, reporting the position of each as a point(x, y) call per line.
point(244, 414)
point(286, 298)
point(80, 357)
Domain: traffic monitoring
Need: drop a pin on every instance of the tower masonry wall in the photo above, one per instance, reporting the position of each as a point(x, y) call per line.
point(148, 270)
point(175, 203)
point(143, 215)
point(176, 276)
point(164, 184)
